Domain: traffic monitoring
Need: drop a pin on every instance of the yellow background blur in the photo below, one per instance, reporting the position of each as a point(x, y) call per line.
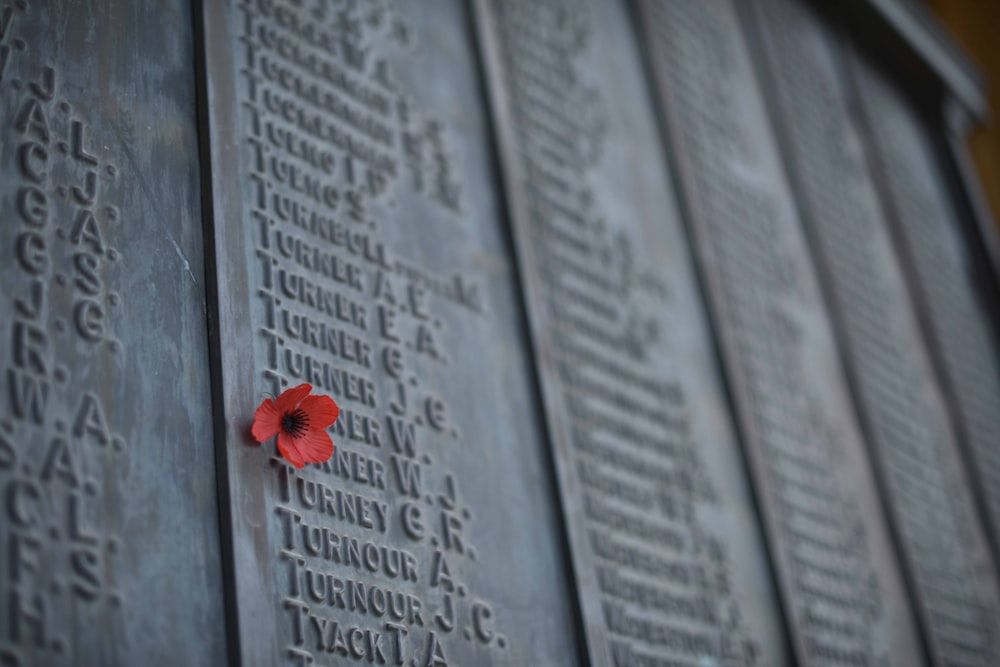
point(976, 25)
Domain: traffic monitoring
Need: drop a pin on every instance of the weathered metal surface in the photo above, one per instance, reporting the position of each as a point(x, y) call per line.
point(109, 546)
point(667, 551)
point(359, 247)
point(837, 569)
point(908, 424)
point(958, 583)
point(564, 489)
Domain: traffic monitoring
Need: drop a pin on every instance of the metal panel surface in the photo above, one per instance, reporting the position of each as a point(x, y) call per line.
point(928, 493)
point(836, 564)
point(667, 551)
point(109, 543)
point(934, 247)
point(359, 247)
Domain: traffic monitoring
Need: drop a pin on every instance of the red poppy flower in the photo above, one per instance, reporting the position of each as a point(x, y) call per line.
point(300, 422)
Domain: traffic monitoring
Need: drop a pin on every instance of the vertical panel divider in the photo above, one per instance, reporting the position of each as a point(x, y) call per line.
point(213, 177)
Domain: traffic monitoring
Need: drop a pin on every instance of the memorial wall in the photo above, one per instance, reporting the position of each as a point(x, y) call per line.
point(662, 333)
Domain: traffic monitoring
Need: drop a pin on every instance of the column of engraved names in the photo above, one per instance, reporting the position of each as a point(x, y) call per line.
point(663, 577)
point(930, 496)
point(328, 134)
point(959, 324)
point(57, 447)
point(821, 538)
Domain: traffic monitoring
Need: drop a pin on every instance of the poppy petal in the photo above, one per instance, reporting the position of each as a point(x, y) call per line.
point(292, 397)
point(266, 421)
point(315, 446)
point(288, 447)
point(322, 411)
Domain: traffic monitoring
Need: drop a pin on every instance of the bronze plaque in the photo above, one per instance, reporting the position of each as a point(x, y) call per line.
point(950, 557)
point(359, 247)
point(667, 551)
point(657, 332)
point(843, 595)
point(109, 542)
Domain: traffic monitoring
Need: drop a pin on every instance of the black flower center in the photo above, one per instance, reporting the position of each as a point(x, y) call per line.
point(295, 423)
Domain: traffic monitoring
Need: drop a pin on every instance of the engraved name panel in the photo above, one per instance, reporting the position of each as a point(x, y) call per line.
point(667, 551)
point(360, 249)
point(908, 426)
point(929, 232)
point(108, 514)
point(843, 596)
